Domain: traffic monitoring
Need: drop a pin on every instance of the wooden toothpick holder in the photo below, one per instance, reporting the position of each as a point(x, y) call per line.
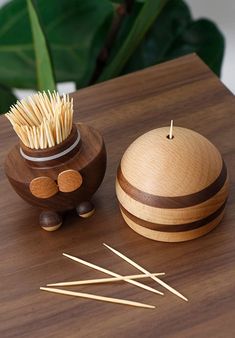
point(59, 178)
point(172, 189)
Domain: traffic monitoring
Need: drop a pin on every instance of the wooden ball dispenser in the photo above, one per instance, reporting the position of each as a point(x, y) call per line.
point(58, 165)
point(172, 187)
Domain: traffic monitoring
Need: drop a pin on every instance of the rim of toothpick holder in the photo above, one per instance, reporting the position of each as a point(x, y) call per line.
point(56, 153)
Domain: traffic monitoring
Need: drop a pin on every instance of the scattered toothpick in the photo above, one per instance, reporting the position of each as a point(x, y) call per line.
point(111, 273)
point(137, 266)
point(116, 277)
point(104, 280)
point(95, 297)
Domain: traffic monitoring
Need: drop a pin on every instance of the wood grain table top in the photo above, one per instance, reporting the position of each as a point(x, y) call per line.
point(203, 269)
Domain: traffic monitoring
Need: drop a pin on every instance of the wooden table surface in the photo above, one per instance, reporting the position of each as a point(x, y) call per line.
point(203, 269)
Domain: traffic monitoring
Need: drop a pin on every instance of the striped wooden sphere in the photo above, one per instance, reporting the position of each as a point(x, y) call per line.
point(172, 190)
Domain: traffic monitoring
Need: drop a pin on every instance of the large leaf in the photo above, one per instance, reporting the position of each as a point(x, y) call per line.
point(76, 31)
point(7, 98)
point(204, 38)
point(170, 24)
point(124, 29)
point(45, 75)
point(173, 34)
point(147, 15)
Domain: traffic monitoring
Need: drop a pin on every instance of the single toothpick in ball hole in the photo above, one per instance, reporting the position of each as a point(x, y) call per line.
point(170, 135)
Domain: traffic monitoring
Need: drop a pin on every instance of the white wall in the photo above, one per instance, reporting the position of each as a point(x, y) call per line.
point(223, 13)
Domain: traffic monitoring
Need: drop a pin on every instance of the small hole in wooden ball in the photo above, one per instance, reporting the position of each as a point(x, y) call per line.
point(168, 136)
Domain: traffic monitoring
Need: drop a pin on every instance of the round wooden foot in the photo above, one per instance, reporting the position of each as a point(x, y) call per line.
point(85, 209)
point(50, 220)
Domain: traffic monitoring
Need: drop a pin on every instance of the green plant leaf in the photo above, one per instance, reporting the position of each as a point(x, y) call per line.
point(75, 30)
point(45, 75)
point(124, 29)
point(147, 15)
point(174, 34)
point(7, 98)
point(204, 38)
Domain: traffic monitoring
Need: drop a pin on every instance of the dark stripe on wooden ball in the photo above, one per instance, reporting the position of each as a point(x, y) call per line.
point(174, 227)
point(172, 202)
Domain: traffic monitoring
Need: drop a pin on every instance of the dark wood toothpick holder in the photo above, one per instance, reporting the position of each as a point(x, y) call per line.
point(59, 178)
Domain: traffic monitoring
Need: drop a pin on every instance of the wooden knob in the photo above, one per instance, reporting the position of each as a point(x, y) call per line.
point(85, 209)
point(43, 187)
point(69, 180)
point(50, 220)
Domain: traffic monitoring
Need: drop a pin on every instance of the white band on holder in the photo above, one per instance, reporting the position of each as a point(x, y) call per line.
point(52, 157)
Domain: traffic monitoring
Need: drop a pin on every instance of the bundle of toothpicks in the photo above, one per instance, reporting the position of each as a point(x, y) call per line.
point(42, 120)
point(131, 279)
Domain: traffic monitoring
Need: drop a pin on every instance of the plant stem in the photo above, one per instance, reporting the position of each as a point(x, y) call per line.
point(148, 14)
point(120, 12)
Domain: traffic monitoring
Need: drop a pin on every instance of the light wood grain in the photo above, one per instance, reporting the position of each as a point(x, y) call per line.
point(178, 180)
point(181, 166)
point(173, 216)
point(173, 236)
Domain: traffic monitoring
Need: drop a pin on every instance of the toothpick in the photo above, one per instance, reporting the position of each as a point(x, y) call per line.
point(19, 110)
point(21, 134)
point(103, 280)
point(30, 113)
point(29, 136)
point(35, 109)
point(35, 136)
point(48, 111)
point(171, 130)
point(140, 268)
point(47, 133)
point(111, 273)
point(101, 298)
